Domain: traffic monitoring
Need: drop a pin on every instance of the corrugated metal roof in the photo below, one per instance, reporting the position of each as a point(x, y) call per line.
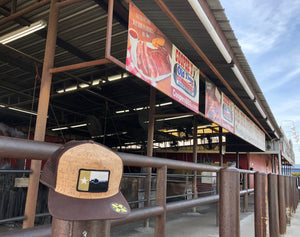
point(82, 37)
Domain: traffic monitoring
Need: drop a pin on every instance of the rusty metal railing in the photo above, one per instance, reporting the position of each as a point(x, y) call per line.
point(276, 196)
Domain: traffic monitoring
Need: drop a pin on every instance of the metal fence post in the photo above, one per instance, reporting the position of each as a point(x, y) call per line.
point(80, 228)
point(229, 203)
point(287, 200)
point(273, 205)
point(161, 193)
point(245, 187)
point(282, 210)
point(261, 205)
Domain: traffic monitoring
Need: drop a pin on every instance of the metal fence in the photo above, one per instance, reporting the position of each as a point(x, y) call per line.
point(275, 196)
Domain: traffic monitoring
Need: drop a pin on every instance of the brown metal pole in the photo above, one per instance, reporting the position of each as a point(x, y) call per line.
point(287, 200)
point(261, 205)
point(281, 201)
point(273, 205)
point(229, 204)
point(161, 193)
point(220, 147)
point(150, 148)
point(24, 11)
point(195, 142)
point(40, 127)
point(245, 187)
point(80, 228)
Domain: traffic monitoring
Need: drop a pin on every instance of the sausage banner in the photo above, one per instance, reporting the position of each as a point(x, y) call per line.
point(154, 59)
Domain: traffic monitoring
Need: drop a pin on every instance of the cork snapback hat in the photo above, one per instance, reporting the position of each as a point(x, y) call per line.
point(84, 180)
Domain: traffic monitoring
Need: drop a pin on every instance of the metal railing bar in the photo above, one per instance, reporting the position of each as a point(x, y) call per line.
point(7, 171)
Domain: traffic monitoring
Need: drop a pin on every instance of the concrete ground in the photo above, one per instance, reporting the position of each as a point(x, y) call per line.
point(188, 224)
point(201, 224)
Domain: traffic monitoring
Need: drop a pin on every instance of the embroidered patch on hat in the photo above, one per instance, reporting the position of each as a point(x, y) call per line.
point(93, 181)
point(119, 208)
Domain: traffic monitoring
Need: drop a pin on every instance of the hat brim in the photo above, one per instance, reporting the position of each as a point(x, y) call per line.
point(68, 208)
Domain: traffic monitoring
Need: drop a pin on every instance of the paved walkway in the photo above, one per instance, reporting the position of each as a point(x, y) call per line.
point(202, 223)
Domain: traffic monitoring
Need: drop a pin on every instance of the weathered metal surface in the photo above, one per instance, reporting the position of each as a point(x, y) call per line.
point(287, 200)
point(229, 215)
point(80, 228)
point(41, 121)
point(261, 205)
point(245, 187)
point(281, 201)
point(161, 194)
point(273, 205)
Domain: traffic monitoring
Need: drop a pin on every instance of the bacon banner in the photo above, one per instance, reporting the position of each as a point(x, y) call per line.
point(153, 58)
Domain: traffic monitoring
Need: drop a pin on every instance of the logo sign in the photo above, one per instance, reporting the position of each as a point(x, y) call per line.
point(93, 181)
point(185, 80)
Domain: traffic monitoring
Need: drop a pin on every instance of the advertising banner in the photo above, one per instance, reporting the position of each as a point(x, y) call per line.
point(227, 113)
point(247, 130)
point(212, 102)
point(222, 111)
point(151, 57)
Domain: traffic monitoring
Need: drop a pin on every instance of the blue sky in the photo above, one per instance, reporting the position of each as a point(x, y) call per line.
point(269, 34)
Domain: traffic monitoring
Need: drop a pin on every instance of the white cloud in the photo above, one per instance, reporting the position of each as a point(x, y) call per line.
point(260, 25)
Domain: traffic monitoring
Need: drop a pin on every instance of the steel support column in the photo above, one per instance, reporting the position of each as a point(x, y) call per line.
point(150, 148)
point(195, 142)
point(40, 127)
point(261, 205)
point(273, 205)
point(281, 202)
point(161, 194)
point(229, 204)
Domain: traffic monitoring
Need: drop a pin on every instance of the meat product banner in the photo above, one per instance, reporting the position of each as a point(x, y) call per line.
point(154, 59)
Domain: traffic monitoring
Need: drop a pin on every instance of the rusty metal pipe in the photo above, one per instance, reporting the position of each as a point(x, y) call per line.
point(139, 214)
point(273, 205)
point(182, 205)
point(281, 202)
point(161, 194)
point(229, 204)
point(287, 200)
point(261, 205)
point(24, 11)
point(41, 121)
point(28, 149)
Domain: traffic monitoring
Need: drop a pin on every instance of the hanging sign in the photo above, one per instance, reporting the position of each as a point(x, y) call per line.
point(154, 59)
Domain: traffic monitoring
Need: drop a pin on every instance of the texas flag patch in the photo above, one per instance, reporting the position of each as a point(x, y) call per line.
point(94, 181)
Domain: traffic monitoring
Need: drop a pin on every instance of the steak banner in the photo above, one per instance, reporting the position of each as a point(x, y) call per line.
point(222, 111)
point(154, 59)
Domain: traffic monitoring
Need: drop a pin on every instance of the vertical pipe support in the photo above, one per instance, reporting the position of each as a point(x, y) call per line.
point(245, 187)
point(161, 194)
point(287, 199)
point(281, 201)
point(261, 205)
point(80, 228)
point(41, 121)
point(229, 203)
point(150, 148)
point(195, 143)
point(273, 205)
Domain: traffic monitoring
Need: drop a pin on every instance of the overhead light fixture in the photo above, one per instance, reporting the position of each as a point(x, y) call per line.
point(58, 129)
point(276, 135)
point(172, 118)
point(22, 110)
point(270, 125)
point(117, 77)
point(78, 125)
point(23, 32)
point(260, 110)
point(241, 79)
point(210, 29)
